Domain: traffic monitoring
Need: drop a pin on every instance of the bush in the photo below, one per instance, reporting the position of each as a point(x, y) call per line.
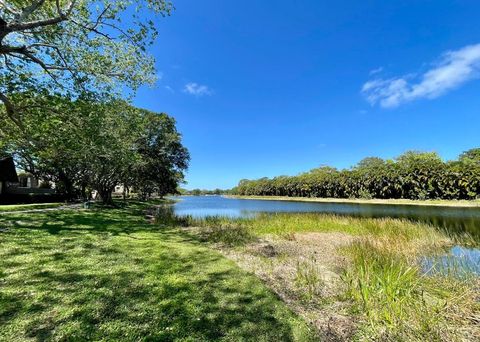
point(31, 198)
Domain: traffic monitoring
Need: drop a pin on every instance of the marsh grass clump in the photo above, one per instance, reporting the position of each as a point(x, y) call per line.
point(223, 230)
point(232, 236)
point(308, 278)
point(164, 215)
point(216, 229)
point(398, 302)
point(287, 224)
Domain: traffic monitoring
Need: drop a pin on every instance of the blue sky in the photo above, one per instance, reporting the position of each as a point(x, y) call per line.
point(267, 88)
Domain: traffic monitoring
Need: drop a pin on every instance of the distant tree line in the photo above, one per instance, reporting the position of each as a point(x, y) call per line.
point(412, 175)
point(85, 145)
point(203, 192)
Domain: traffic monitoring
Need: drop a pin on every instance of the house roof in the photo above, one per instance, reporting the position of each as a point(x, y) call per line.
point(7, 170)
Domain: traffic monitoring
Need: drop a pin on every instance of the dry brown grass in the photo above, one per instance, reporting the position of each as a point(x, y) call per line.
point(304, 270)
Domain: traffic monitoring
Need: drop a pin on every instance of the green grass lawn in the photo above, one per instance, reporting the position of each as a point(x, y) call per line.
point(22, 207)
point(109, 275)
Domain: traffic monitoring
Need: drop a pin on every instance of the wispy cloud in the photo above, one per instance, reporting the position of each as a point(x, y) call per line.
point(170, 89)
point(453, 69)
point(196, 89)
point(376, 71)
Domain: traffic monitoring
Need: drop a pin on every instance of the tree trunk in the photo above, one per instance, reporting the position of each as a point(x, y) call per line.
point(69, 189)
point(85, 196)
point(106, 195)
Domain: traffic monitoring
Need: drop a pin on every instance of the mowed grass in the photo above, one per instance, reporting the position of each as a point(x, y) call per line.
point(109, 275)
point(24, 207)
point(390, 295)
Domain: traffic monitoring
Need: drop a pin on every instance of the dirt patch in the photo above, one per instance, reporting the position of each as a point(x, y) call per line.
point(304, 270)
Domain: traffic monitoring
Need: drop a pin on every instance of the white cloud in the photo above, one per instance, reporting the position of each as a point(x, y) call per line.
point(376, 71)
point(197, 89)
point(170, 89)
point(453, 69)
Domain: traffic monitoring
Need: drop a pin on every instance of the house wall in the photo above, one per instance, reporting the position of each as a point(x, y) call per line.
point(28, 181)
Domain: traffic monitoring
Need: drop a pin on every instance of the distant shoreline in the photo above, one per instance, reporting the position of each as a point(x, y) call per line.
point(435, 203)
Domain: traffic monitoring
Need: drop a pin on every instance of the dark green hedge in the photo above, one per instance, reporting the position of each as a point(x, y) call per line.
point(31, 198)
point(413, 175)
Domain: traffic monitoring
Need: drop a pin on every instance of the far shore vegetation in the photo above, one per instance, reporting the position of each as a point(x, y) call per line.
point(439, 202)
point(413, 176)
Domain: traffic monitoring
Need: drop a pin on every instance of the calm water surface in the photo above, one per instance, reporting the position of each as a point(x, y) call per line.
point(458, 261)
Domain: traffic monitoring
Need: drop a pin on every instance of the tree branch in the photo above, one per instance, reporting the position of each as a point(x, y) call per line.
point(10, 110)
point(9, 8)
point(62, 16)
point(27, 11)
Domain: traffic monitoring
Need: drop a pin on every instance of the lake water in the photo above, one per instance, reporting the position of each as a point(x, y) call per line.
point(456, 219)
point(458, 260)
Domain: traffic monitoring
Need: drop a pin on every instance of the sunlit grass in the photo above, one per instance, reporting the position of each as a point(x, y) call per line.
point(109, 275)
point(21, 207)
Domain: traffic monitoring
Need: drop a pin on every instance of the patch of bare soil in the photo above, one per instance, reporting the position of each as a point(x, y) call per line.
point(304, 270)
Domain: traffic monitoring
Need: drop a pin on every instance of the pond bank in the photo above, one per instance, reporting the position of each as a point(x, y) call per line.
point(437, 203)
point(352, 278)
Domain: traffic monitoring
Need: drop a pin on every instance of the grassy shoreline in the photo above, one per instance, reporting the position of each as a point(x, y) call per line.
point(382, 284)
point(438, 203)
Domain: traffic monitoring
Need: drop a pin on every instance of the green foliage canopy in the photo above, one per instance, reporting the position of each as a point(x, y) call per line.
point(413, 175)
point(82, 144)
point(71, 46)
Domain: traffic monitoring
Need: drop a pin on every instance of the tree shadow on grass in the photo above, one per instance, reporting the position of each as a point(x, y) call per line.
point(108, 222)
point(85, 278)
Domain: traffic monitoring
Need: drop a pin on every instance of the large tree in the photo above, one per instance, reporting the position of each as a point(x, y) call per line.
point(75, 45)
point(81, 144)
point(163, 158)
